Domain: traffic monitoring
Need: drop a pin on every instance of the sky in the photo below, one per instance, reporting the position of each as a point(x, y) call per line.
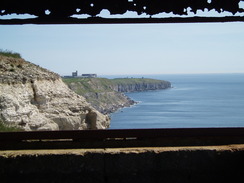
point(130, 49)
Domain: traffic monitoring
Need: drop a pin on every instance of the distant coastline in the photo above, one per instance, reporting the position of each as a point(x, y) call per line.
point(107, 95)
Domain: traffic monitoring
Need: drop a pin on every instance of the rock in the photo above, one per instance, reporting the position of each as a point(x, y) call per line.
point(108, 102)
point(39, 100)
point(142, 86)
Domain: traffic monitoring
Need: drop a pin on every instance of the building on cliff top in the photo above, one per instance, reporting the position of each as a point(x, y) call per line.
point(75, 75)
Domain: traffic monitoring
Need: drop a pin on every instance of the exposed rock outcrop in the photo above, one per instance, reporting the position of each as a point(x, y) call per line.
point(34, 98)
point(108, 102)
point(142, 86)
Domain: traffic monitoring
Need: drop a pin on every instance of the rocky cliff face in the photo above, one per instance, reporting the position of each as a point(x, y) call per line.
point(34, 98)
point(108, 102)
point(142, 86)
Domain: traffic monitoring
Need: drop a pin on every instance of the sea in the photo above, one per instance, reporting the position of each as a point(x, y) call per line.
point(194, 101)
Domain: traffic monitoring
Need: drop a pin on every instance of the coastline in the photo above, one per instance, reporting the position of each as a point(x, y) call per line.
point(109, 95)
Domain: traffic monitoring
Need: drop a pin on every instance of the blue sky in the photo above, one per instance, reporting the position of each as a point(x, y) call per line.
point(130, 49)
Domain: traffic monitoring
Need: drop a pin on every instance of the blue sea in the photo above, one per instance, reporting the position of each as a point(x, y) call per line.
point(195, 100)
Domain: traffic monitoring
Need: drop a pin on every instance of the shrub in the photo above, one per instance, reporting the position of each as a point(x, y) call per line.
point(19, 66)
point(8, 53)
point(12, 70)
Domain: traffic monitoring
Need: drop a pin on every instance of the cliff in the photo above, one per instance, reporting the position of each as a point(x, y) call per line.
point(33, 98)
point(106, 95)
point(139, 84)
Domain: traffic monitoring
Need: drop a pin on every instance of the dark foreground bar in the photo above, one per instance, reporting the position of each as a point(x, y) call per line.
point(99, 20)
point(122, 133)
point(122, 138)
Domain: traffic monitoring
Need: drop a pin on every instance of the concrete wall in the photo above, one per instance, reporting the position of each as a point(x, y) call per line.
point(175, 164)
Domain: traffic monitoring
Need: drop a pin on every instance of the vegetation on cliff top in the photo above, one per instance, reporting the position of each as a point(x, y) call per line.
point(135, 81)
point(98, 85)
point(8, 53)
point(85, 85)
point(14, 69)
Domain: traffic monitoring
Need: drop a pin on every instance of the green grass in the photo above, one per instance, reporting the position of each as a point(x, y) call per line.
point(8, 53)
point(5, 128)
point(134, 80)
point(86, 85)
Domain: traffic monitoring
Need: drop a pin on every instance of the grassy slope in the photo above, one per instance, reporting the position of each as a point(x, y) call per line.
point(86, 85)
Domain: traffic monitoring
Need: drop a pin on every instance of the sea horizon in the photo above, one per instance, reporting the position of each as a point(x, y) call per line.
point(112, 76)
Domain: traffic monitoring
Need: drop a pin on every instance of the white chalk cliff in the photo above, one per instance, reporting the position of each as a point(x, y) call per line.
point(34, 98)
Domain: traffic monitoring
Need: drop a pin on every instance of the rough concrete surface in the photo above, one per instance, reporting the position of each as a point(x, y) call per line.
point(161, 164)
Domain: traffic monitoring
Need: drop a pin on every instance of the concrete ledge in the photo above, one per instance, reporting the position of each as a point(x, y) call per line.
point(161, 164)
